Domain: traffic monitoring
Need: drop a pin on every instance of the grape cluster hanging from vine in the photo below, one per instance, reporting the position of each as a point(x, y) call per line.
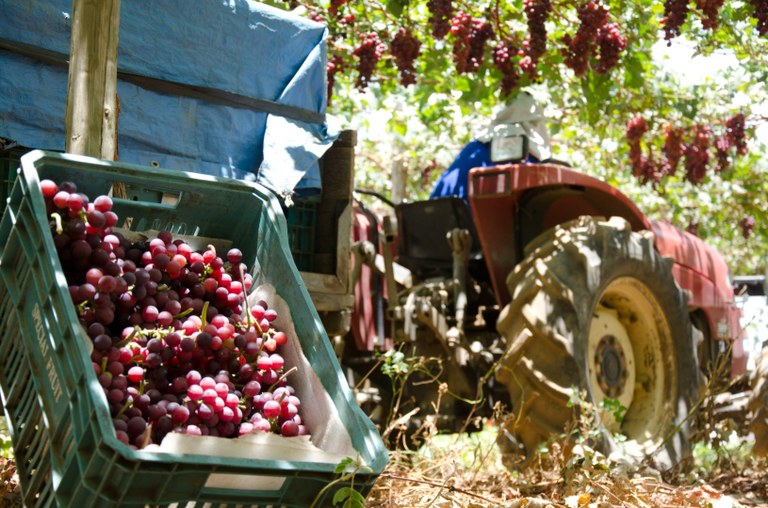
point(690, 145)
point(596, 45)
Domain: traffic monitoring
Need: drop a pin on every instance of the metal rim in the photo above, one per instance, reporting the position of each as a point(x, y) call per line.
point(630, 358)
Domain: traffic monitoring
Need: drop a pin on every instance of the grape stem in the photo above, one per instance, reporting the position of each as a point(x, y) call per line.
point(183, 313)
point(247, 306)
point(285, 375)
point(81, 307)
point(128, 404)
point(128, 339)
point(147, 436)
point(205, 313)
point(59, 227)
point(263, 340)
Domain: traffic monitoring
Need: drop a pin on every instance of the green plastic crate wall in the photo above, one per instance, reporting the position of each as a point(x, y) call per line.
point(9, 163)
point(301, 218)
point(66, 450)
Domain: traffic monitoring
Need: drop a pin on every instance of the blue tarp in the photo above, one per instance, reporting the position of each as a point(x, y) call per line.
point(248, 53)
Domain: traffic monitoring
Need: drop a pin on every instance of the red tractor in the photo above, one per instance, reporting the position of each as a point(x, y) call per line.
point(546, 291)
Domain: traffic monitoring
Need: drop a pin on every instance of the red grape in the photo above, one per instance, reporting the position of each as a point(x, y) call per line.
point(48, 188)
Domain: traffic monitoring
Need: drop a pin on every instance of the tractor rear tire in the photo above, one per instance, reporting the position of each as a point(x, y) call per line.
point(596, 314)
point(758, 403)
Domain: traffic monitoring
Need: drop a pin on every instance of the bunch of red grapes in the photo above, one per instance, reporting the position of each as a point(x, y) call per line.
point(469, 38)
point(504, 58)
point(734, 132)
point(672, 149)
point(747, 224)
point(760, 13)
point(610, 44)
point(440, 16)
point(369, 51)
point(536, 13)
point(635, 130)
point(405, 47)
point(335, 6)
point(335, 65)
point(695, 153)
point(175, 345)
point(709, 9)
point(647, 168)
point(675, 13)
point(595, 36)
point(721, 153)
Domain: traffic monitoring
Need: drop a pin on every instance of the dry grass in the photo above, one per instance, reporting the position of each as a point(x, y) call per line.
point(10, 493)
point(466, 471)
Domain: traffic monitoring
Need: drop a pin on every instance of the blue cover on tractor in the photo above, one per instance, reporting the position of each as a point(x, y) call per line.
point(229, 88)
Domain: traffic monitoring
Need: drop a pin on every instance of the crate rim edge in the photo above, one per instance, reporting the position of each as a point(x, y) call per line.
point(379, 455)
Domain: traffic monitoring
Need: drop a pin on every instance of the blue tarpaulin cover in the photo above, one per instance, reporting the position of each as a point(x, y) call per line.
point(257, 73)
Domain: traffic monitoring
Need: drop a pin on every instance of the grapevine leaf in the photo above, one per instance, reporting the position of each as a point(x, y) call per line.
point(344, 464)
point(355, 500)
point(396, 7)
point(634, 72)
point(342, 495)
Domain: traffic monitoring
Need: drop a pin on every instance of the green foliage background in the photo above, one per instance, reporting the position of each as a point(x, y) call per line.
point(424, 125)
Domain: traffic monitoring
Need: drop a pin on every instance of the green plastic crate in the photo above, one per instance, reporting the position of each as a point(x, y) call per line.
point(9, 163)
point(66, 450)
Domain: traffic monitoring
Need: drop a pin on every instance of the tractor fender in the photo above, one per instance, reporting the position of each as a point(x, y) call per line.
point(513, 204)
point(702, 272)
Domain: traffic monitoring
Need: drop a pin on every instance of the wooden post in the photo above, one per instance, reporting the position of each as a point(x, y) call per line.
point(398, 174)
point(91, 113)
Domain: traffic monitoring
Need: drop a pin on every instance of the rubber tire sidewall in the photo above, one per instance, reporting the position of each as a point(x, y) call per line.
point(555, 292)
point(758, 403)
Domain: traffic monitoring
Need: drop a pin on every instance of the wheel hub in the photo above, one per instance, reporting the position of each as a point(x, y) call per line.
point(611, 361)
point(611, 366)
